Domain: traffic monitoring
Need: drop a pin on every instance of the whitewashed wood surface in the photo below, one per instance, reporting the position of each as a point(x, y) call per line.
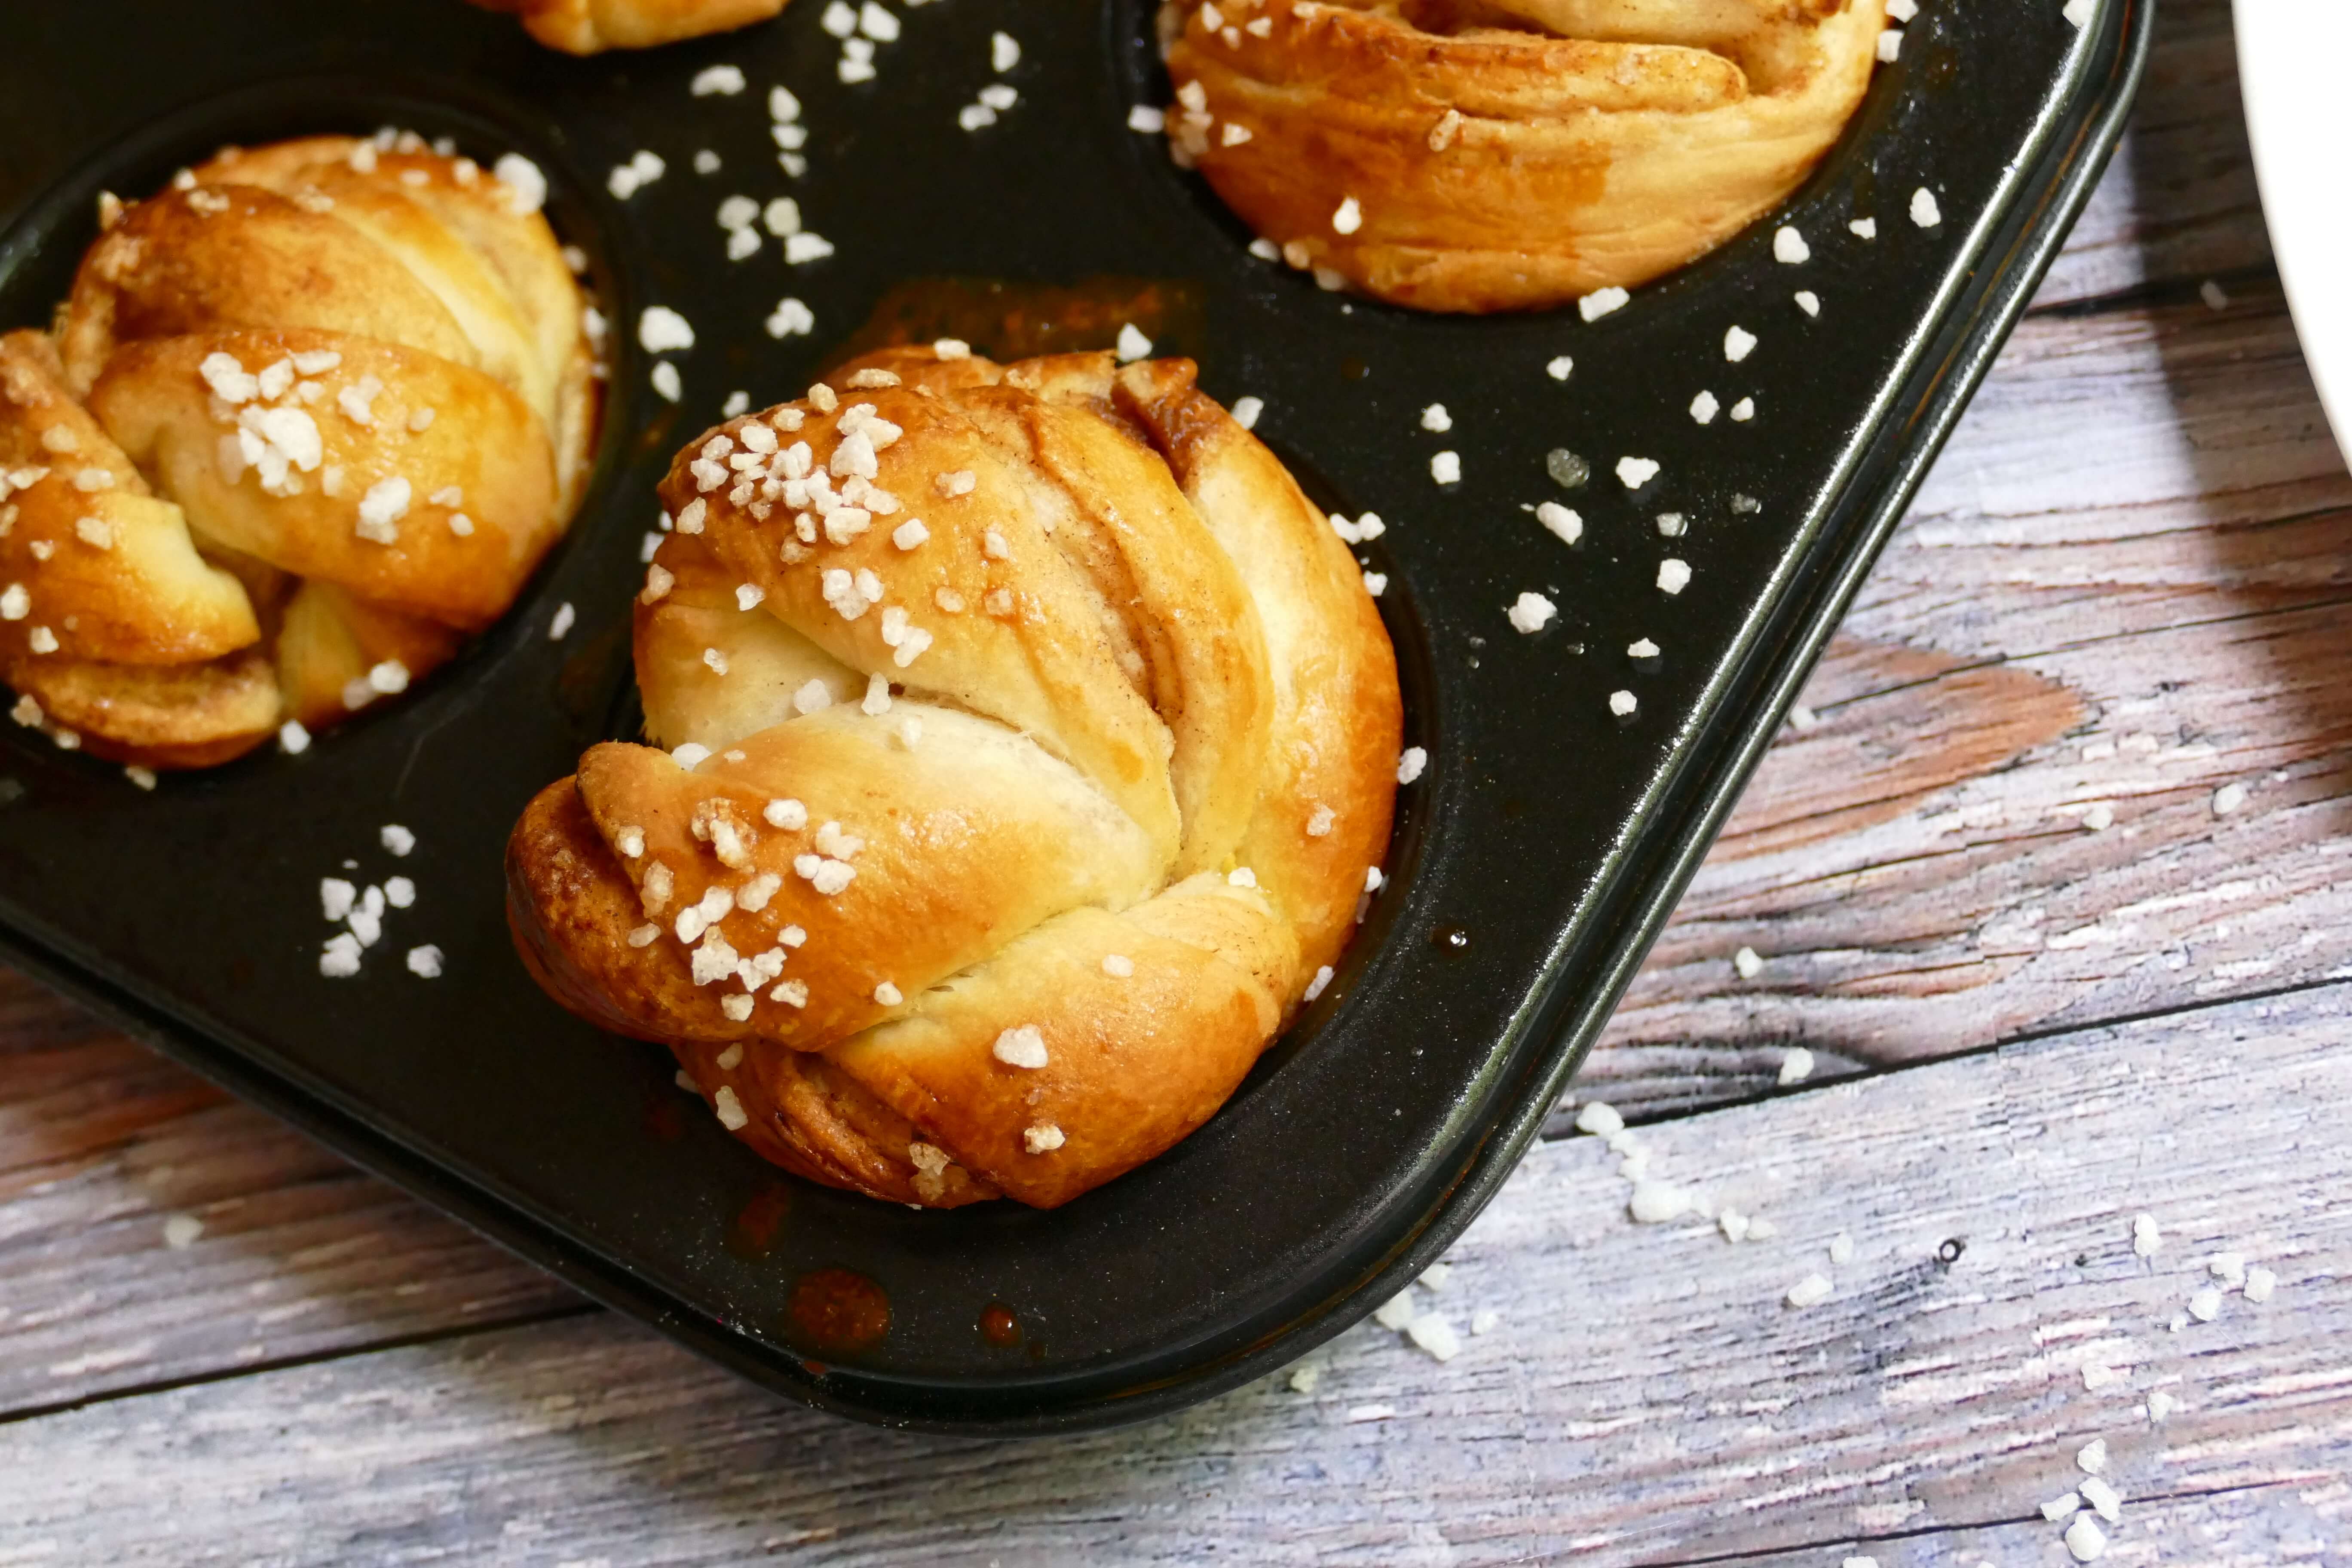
point(2048, 984)
point(1646, 1396)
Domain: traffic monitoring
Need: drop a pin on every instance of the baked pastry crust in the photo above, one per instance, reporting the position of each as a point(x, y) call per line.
point(188, 543)
point(1066, 714)
point(592, 26)
point(1509, 154)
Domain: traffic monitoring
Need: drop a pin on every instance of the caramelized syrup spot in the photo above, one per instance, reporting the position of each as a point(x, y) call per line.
point(752, 1233)
point(839, 1311)
point(999, 1327)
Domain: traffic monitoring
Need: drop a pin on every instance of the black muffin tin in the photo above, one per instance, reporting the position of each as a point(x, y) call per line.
point(1533, 861)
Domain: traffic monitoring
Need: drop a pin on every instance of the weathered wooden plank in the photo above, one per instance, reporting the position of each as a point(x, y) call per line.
point(2178, 204)
point(1646, 1396)
point(2125, 591)
point(108, 1155)
point(2244, 1527)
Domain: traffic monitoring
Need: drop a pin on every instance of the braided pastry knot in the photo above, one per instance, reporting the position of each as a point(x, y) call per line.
point(1036, 738)
point(309, 417)
point(1508, 154)
point(590, 26)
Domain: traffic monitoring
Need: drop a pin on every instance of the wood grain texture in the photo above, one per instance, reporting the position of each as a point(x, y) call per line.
point(103, 1144)
point(1647, 1395)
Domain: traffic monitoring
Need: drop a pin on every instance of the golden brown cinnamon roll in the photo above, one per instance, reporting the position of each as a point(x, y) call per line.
point(590, 26)
point(309, 417)
point(1508, 154)
point(1033, 736)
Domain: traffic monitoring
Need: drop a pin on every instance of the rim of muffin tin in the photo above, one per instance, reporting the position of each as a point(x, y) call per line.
point(42, 249)
point(486, 123)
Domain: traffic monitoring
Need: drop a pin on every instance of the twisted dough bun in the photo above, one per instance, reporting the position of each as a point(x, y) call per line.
point(590, 26)
point(1049, 750)
point(309, 417)
point(1509, 154)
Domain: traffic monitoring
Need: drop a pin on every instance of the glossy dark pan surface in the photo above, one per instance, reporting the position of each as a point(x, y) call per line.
point(1533, 861)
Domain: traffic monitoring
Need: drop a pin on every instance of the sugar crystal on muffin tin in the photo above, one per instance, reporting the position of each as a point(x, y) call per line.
point(1531, 611)
point(1561, 523)
point(661, 329)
